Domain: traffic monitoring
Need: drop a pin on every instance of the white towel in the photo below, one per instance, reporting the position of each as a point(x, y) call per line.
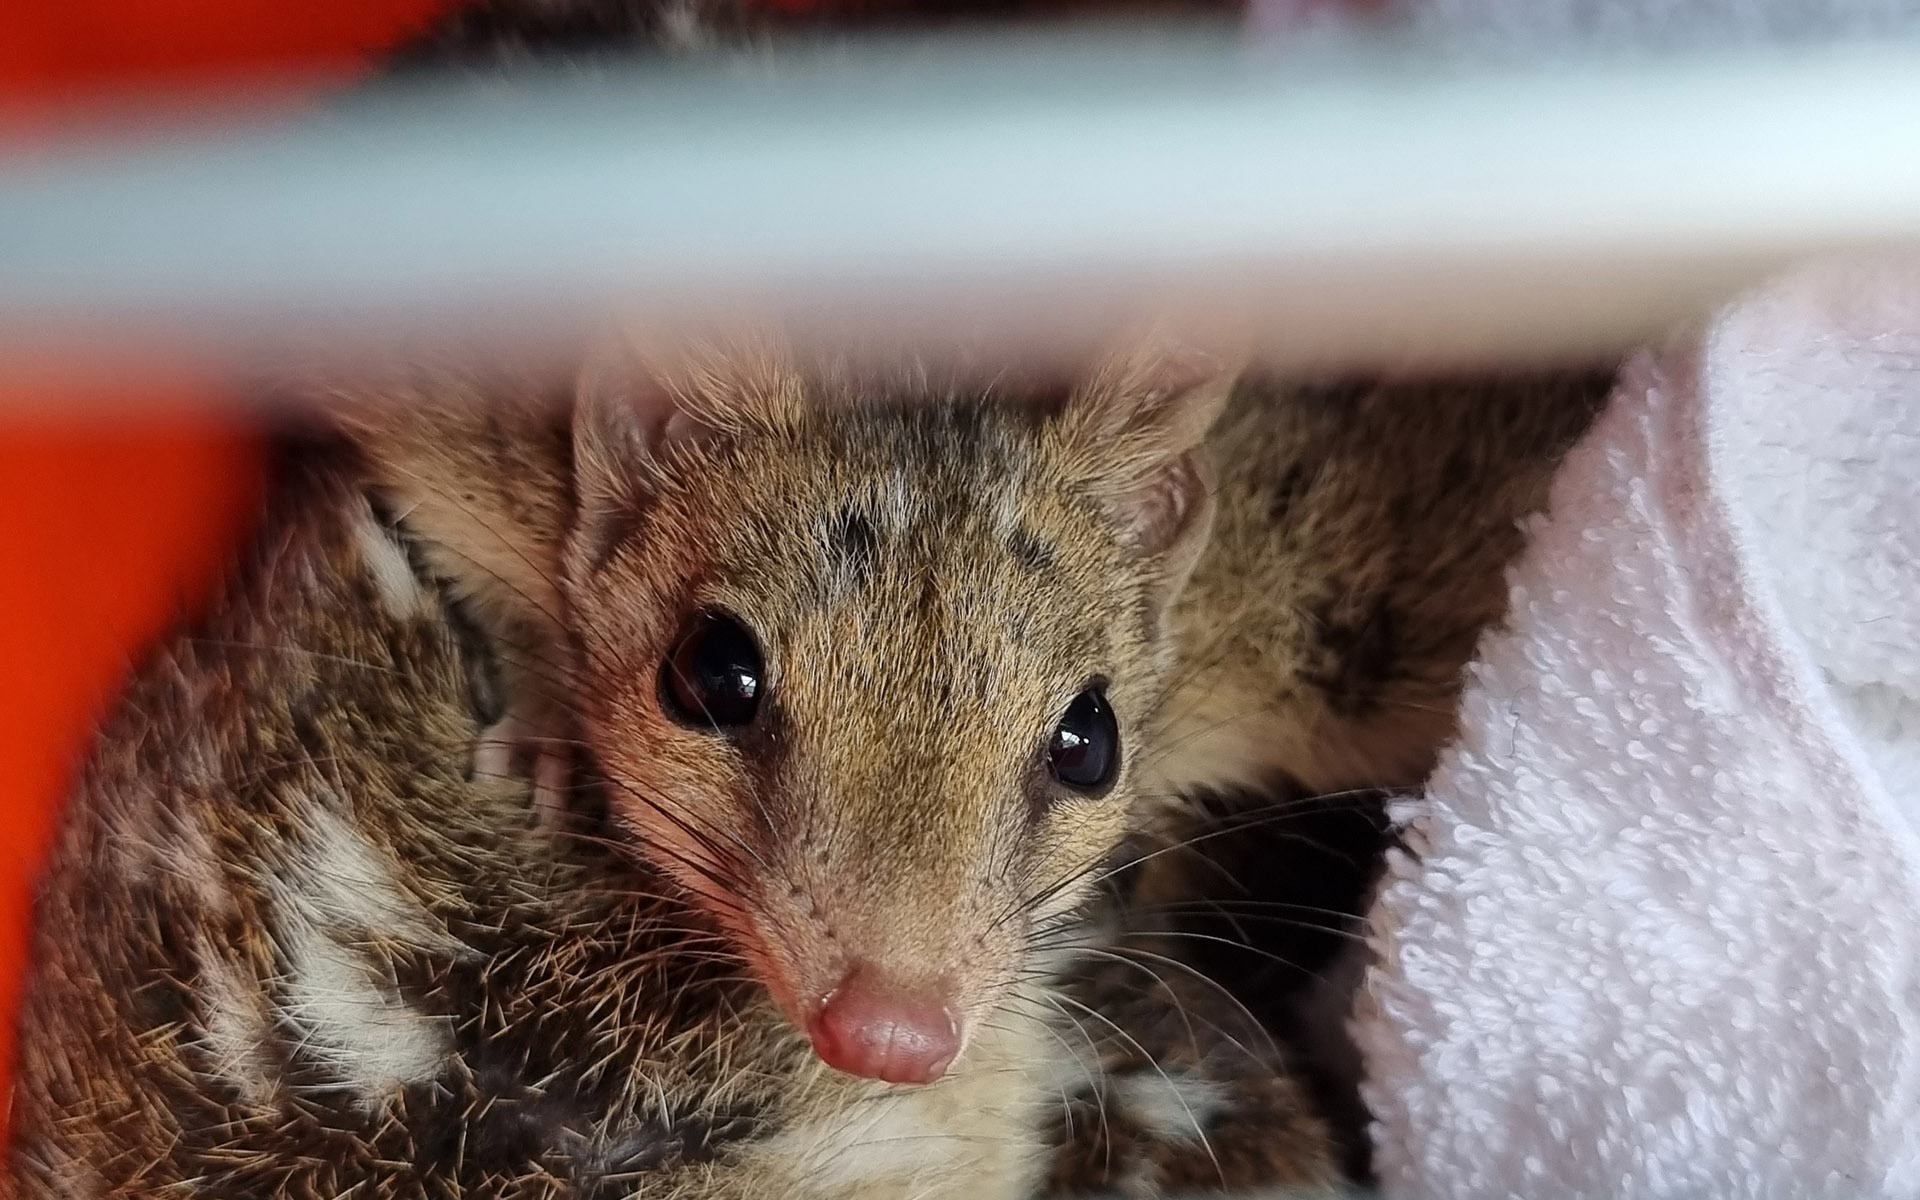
point(1661, 939)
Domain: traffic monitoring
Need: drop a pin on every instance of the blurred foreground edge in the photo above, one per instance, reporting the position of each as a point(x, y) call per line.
point(1357, 207)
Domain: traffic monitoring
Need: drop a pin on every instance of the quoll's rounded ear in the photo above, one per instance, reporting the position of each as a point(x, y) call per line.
point(1134, 429)
point(621, 413)
point(638, 400)
point(639, 404)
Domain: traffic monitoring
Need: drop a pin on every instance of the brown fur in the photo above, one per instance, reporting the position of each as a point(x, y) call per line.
point(1363, 535)
point(1176, 1087)
point(276, 842)
point(482, 470)
point(932, 577)
point(472, 1008)
point(287, 947)
point(1357, 555)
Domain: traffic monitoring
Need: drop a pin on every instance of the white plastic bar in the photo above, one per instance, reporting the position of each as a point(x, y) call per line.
point(1356, 206)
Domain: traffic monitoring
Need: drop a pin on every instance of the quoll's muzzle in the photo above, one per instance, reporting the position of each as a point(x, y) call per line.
point(877, 1028)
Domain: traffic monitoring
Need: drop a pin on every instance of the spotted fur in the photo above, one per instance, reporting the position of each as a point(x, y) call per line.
point(891, 805)
point(1177, 1088)
point(1363, 533)
point(293, 944)
point(1359, 551)
point(288, 946)
point(1330, 502)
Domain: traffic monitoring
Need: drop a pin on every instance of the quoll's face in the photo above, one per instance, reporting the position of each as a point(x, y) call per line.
point(867, 685)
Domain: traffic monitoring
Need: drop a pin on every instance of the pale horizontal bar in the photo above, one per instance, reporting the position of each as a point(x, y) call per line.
point(1353, 206)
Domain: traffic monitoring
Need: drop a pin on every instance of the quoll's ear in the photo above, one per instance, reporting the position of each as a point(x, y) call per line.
point(639, 412)
point(620, 417)
point(1134, 429)
point(639, 403)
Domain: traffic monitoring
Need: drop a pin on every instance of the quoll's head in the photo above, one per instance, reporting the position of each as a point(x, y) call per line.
point(866, 663)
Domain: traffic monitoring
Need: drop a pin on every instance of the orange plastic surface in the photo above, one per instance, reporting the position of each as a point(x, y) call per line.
point(109, 529)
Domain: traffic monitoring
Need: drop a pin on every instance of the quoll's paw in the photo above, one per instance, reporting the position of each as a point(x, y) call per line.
point(529, 744)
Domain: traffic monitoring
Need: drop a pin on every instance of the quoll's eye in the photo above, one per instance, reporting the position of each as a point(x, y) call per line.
point(1085, 750)
point(712, 680)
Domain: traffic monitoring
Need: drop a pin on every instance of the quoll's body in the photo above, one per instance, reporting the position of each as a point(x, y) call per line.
point(288, 947)
point(1364, 529)
point(923, 586)
point(1361, 538)
point(878, 676)
point(855, 651)
point(293, 943)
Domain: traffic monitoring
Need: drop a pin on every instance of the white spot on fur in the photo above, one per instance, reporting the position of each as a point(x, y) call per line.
point(155, 837)
point(235, 1034)
point(353, 1021)
point(387, 563)
point(349, 882)
point(351, 1016)
point(1171, 1107)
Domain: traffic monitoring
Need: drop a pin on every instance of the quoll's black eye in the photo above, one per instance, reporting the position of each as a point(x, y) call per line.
point(1085, 750)
point(712, 680)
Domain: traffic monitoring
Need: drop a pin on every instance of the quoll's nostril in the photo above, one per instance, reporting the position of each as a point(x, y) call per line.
point(878, 1030)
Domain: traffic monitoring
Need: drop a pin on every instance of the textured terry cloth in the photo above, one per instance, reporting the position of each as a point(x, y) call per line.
point(1661, 935)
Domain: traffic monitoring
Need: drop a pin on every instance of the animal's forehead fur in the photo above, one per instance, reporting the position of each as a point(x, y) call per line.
point(940, 559)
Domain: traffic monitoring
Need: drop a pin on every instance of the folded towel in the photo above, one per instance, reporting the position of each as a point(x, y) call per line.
point(1660, 935)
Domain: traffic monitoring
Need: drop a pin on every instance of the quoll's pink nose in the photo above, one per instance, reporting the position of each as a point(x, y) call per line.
point(877, 1030)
